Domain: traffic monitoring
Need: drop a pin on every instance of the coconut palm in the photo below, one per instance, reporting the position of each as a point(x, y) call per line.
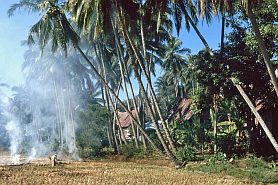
point(55, 27)
point(126, 15)
point(174, 60)
point(248, 6)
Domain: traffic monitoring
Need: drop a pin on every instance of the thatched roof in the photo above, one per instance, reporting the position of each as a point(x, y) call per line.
point(181, 110)
point(125, 119)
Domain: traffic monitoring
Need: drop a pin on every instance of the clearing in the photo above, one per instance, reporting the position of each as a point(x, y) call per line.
point(108, 172)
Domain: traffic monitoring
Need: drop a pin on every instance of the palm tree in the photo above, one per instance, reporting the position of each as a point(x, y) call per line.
point(126, 15)
point(125, 72)
point(248, 6)
point(257, 115)
point(54, 26)
point(188, 10)
point(179, 9)
point(174, 61)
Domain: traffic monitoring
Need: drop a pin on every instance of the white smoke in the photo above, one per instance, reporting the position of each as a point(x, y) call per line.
point(16, 137)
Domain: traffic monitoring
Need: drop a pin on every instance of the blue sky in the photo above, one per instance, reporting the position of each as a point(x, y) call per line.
point(15, 29)
point(12, 31)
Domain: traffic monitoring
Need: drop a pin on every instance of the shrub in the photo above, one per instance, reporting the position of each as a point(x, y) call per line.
point(186, 153)
point(89, 153)
point(130, 151)
point(218, 157)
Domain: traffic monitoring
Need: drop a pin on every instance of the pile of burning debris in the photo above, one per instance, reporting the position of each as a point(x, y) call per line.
point(18, 159)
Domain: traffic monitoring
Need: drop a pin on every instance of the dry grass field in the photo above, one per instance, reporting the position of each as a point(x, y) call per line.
point(108, 172)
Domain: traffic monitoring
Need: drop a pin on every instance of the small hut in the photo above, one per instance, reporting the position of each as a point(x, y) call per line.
point(181, 110)
point(260, 141)
point(125, 121)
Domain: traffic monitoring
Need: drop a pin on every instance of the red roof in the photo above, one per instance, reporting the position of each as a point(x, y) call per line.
point(125, 119)
point(182, 109)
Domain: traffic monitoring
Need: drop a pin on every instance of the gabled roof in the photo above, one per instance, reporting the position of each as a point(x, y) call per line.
point(181, 109)
point(125, 119)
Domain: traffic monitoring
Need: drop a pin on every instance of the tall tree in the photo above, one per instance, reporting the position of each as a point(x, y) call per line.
point(54, 26)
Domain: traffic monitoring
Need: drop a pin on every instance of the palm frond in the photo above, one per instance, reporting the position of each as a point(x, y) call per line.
point(30, 6)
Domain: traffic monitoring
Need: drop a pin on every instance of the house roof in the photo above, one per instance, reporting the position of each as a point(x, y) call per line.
point(181, 109)
point(125, 119)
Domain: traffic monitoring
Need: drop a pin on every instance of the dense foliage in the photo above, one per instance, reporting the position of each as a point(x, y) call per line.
point(114, 46)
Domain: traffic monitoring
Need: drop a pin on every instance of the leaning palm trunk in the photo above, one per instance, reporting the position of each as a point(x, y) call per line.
point(131, 49)
point(118, 121)
point(128, 106)
point(222, 32)
point(114, 108)
point(104, 90)
point(155, 124)
point(257, 115)
point(114, 123)
point(115, 135)
point(108, 97)
point(118, 99)
point(165, 125)
point(124, 85)
point(141, 87)
point(125, 71)
point(153, 96)
point(263, 49)
point(197, 32)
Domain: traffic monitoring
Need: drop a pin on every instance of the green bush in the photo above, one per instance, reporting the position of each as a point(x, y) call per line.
point(130, 151)
point(186, 153)
point(252, 168)
point(89, 153)
point(254, 162)
point(218, 157)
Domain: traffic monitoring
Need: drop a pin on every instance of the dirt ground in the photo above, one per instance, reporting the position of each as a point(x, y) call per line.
point(107, 172)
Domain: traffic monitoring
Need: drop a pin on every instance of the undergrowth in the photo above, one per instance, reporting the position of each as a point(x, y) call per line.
point(252, 168)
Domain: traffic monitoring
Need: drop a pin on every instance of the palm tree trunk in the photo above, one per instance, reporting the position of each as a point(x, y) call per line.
point(65, 117)
point(215, 112)
point(257, 115)
point(141, 87)
point(115, 135)
point(263, 49)
point(114, 122)
point(159, 135)
point(132, 124)
point(197, 32)
point(222, 33)
point(118, 99)
point(71, 120)
point(131, 47)
point(128, 104)
point(108, 94)
point(104, 90)
point(125, 71)
point(153, 96)
point(60, 131)
point(118, 120)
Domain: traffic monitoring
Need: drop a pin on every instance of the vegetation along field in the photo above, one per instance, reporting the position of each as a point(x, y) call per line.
point(111, 172)
point(138, 92)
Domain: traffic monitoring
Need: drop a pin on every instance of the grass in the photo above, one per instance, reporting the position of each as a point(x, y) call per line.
point(251, 168)
point(109, 172)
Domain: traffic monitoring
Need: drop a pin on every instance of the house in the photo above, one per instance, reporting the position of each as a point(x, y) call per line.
point(259, 139)
point(181, 110)
point(125, 121)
